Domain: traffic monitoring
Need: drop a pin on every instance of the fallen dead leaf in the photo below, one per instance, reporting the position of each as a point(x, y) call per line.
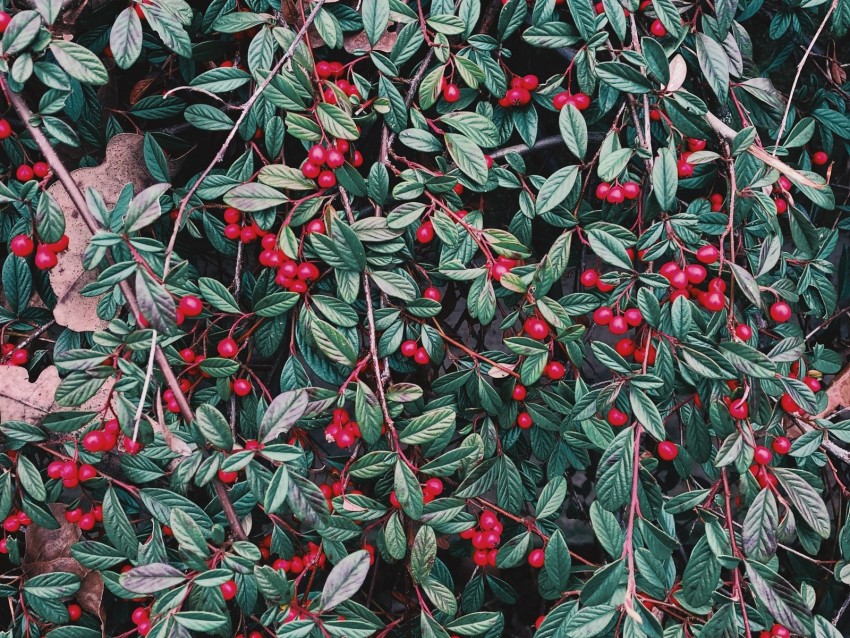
point(49, 550)
point(360, 42)
point(838, 393)
point(21, 400)
point(123, 164)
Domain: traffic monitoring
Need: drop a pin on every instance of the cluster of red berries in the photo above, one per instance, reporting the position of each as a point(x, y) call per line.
point(787, 402)
point(15, 521)
point(86, 521)
point(70, 473)
point(501, 266)
point(590, 279)
point(297, 564)
point(579, 100)
point(779, 191)
point(334, 488)
point(485, 539)
point(410, 349)
point(618, 324)
point(25, 172)
point(141, 617)
point(235, 229)
point(102, 440)
point(520, 92)
point(15, 356)
point(45, 254)
point(684, 168)
point(330, 71)
point(342, 430)
point(319, 156)
point(616, 194)
point(295, 277)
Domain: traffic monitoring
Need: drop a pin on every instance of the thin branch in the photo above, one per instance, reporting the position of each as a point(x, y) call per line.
point(800, 66)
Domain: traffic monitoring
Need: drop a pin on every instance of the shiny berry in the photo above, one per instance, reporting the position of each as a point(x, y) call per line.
point(536, 328)
point(667, 450)
point(781, 445)
point(780, 312)
point(21, 245)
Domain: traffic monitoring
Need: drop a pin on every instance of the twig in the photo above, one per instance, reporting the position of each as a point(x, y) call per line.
point(148, 374)
point(800, 66)
point(246, 108)
point(36, 334)
point(759, 153)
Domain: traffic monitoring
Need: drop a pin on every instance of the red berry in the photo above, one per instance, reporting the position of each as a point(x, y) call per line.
point(75, 612)
point(310, 170)
point(432, 293)
point(232, 216)
point(326, 179)
point(316, 226)
point(139, 615)
point(191, 306)
point(615, 195)
point(708, 254)
point(536, 558)
point(762, 455)
point(54, 469)
point(781, 445)
point(241, 387)
point(94, 441)
point(227, 477)
point(743, 332)
point(316, 154)
point(421, 356)
point(5, 127)
point(618, 325)
point(19, 357)
point(603, 315)
point(334, 158)
point(820, 158)
point(232, 231)
point(24, 173)
point(695, 144)
point(307, 271)
point(625, 347)
point(227, 348)
point(667, 451)
point(86, 473)
point(657, 29)
point(425, 233)
point(228, 589)
point(45, 259)
point(780, 631)
point(434, 485)
point(788, 404)
point(530, 82)
point(451, 93)
point(589, 278)
point(554, 370)
point(813, 384)
point(684, 169)
point(633, 317)
point(524, 420)
point(617, 417)
point(780, 312)
point(87, 522)
point(519, 392)
point(21, 245)
point(408, 348)
point(41, 169)
point(602, 190)
point(739, 409)
point(536, 328)
point(631, 190)
point(696, 273)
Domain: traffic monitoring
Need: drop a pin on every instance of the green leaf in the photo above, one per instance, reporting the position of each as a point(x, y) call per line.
point(345, 579)
point(428, 426)
point(283, 412)
point(145, 208)
point(665, 179)
point(806, 501)
point(49, 219)
point(647, 413)
point(467, 155)
point(623, 78)
point(760, 525)
point(337, 122)
point(376, 15)
point(714, 64)
point(780, 598)
point(152, 578)
point(423, 553)
point(253, 196)
point(125, 38)
point(217, 295)
point(556, 188)
point(573, 130)
point(118, 528)
point(20, 32)
point(78, 62)
point(214, 427)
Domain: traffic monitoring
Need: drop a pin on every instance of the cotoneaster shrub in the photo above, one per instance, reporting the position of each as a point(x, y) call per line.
point(424, 319)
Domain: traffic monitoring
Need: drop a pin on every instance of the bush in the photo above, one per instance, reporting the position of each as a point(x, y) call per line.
point(424, 319)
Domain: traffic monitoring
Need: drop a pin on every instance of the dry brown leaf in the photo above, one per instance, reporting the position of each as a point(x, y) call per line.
point(360, 42)
point(21, 400)
point(49, 550)
point(123, 164)
point(838, 393)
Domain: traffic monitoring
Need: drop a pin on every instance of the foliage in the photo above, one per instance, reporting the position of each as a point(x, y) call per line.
point(424, 319)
